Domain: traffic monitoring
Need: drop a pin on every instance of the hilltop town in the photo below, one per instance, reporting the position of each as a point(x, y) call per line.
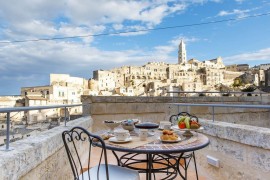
point(159, 78)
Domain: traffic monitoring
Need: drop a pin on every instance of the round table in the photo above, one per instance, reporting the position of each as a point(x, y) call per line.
point(156, 151)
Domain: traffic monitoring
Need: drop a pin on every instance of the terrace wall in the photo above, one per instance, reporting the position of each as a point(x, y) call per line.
point(40, 157)
point(243, 150)
point(157, 109)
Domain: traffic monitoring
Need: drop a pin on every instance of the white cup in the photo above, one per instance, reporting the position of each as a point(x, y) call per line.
point(165, 125)
point(121, 134)
point(143, 134)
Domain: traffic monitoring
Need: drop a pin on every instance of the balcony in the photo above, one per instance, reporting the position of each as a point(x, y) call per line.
point(239, 137)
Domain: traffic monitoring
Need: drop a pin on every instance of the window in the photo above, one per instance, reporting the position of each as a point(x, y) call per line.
point(63, 94)
point(59, 94)
point(25, 93)
point(47, 92)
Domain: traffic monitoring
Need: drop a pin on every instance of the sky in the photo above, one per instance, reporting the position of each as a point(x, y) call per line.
point(25, 64)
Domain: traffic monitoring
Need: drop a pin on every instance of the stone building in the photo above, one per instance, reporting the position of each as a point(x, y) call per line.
point(12, 101)
point(267, 77)
point(63, 89)
point(264, 66)
point(242, 67)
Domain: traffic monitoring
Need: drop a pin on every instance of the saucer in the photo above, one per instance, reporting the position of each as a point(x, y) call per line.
point(170, 141)
point(113, 139)
point(177, 128)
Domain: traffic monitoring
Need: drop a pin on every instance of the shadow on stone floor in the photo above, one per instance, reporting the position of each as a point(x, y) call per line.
point(112, 160)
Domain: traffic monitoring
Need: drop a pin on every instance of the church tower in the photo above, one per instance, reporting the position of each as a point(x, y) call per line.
point(182, 53)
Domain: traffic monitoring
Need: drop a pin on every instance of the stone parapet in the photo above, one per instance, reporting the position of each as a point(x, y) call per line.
point(243, 151)
point(159, 108)
point(245, 134)
point(162, 99)
point(40, 157)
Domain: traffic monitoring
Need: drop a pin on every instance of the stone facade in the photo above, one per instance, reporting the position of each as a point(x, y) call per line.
point(264, 66)
point(63, 89)
point(267, 78)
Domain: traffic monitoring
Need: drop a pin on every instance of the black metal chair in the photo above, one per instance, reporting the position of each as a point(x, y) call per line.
point(78, 144)
point(186, 156)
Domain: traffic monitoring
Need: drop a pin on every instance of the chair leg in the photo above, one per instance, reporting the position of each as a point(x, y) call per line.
point(194, 158)
point(185, 168)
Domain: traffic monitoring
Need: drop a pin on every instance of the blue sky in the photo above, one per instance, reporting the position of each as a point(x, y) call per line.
point(30, 63)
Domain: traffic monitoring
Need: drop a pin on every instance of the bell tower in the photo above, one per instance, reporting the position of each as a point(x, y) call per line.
point(182, 53)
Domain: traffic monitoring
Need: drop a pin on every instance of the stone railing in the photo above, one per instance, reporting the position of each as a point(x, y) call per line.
point(243, 151)
point(158, 109)
point(40, 157)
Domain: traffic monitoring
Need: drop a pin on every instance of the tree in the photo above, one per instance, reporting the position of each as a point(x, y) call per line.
point(249, 89)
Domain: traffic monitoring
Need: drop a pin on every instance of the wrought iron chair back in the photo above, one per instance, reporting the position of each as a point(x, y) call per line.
point(187, 156)
point(78, 143)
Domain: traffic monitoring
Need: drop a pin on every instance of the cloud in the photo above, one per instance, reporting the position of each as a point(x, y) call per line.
point(239, 13)
point(239, 1)
point(38, 19)
point(262, 55)
point(32, 59)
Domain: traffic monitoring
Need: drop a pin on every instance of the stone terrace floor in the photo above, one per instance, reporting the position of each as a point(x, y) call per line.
point(112, 160)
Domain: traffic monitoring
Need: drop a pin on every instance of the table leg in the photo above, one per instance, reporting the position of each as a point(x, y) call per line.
point(149, 164)
point(178, 166)
point(115, 155)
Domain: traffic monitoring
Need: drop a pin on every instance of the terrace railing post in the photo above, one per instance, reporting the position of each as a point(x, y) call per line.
point(261, 97)
point(7, 135)
point(213, 113)
point(7, 148)
point(65, 116)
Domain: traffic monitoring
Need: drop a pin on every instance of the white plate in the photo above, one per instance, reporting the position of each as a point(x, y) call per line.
point(113, 139)
point(170, 141)
point(175, 127)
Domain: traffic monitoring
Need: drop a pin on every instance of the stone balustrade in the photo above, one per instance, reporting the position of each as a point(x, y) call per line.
point(40, 157)
point(157, 109)
point(243, 151)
